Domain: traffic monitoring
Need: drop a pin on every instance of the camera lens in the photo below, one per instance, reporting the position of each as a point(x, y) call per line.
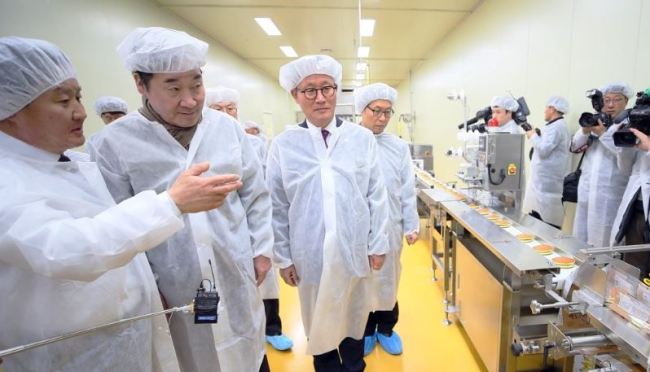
point(587, 119)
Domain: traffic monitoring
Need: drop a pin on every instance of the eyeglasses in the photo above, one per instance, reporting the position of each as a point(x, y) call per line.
point(377, 112)
point(613, 100)
point(326, 91)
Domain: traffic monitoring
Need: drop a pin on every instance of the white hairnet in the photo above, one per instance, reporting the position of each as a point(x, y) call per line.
point(505, 102)
point(621, 88)
point(110, 104)
point(558, 103)
point(28, 68)
point(365, 95)
point(251, 124)
point(221, 94)
point(297, 70)
point(161, 50)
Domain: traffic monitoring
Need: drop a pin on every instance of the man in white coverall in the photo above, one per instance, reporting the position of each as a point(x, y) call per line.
point(110, 108)
point(375, 104)
point(226, 100)
point(605, 171)
point(69, 256)
point(329, 215)
point(549, 164)
point(146, 150)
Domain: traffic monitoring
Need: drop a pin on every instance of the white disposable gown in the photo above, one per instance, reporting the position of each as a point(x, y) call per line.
point(509, 127)
point(605, 173)
point(136, 154)
point(639, 180)
point(329, 213)
point(70, 259)
point(549, 166)
point(397, 170)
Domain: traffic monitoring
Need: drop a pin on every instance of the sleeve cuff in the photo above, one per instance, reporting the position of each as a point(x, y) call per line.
point(169, 203)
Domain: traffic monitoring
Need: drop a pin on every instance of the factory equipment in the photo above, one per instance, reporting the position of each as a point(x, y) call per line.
point(521, 307)
point(422, 154)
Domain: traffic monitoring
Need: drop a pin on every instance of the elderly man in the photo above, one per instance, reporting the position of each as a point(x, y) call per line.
point(226, 100)
point(329, 215)
point(146, 150)
point(375, 104)
point(549, 164)
point(110, 108)
point(69, 257)
point(605, 171)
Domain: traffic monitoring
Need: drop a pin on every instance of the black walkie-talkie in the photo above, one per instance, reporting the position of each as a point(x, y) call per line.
point(206, 302)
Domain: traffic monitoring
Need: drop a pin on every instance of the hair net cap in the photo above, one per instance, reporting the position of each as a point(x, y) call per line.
point(161, 50)
point(365, 95)
point(296, 71)
point(505, 102)
point(110, 104)
point(251, 124)
point(621, 88)
point(558, 103)
point(221, 94)
point(28, 68)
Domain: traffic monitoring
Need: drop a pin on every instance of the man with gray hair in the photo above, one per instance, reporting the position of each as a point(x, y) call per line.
point(110, 108)
point(605, 170)
point(69, 256)
point(375, 104)
point(146, 150)
point(549, 164)
point(329, 214)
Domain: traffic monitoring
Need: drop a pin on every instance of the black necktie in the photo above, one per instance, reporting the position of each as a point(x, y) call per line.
point(325, 133)
point(64, 158)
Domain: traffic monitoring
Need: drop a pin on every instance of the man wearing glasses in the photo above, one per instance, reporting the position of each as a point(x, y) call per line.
point(605, 171)
point(329, 215)
point(375, 104)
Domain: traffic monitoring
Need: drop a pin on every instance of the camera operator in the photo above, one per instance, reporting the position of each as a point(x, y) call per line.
point(631, 223)
point(503, 107)
point(549, 164)
point(605, 170)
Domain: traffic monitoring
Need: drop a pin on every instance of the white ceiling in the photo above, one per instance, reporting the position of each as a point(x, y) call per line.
point(405, 30)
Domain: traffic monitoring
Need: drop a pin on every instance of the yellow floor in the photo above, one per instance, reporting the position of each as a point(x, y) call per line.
point(428, 344)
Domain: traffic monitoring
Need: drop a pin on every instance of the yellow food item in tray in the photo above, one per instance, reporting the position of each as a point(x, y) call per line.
point(525, 237)
point(544, 249)
point(564, 262)
point(484, 211)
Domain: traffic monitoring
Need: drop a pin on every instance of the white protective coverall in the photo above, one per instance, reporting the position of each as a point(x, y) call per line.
point(137, 154)
point(330, 212)
point(509, 127)
point(70, 260)
point(639, 179)
point(605, 173)
point(549, 166)
point(397, 170)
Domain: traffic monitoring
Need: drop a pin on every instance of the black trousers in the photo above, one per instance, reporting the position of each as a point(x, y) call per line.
point(636, 232)
point(265, 365)
point(382, 321)
point(536, 214)
point(348, 358)
point(273, 321)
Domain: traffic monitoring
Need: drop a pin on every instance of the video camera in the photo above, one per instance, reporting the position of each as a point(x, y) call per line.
point(520, 116)
point(639, 118)
point(484, 114)
point(587, 119)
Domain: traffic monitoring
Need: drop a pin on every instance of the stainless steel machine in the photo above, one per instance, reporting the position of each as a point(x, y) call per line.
point(519, 309)
point(423, 154)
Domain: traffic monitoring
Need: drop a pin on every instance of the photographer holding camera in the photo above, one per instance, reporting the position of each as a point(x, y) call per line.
point(549, 164)
point(631, 223)
point(605, 168)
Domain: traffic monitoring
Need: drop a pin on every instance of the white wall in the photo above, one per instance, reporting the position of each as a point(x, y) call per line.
point(533, 48)
point(89, 31)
